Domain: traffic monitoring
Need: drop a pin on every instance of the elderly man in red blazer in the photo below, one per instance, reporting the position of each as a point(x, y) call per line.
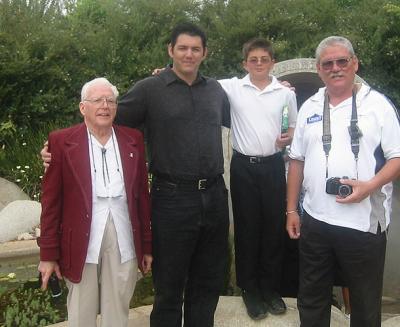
point(95, 222)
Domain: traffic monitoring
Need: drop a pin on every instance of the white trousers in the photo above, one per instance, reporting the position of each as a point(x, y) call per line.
point(107, 286)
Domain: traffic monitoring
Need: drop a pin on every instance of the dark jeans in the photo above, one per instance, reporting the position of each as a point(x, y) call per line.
point(190, 249)
point(258, 199)
point(359, 255)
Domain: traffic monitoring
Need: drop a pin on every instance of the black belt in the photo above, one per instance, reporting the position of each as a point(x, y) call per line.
point(257, 159)
point(190, 185)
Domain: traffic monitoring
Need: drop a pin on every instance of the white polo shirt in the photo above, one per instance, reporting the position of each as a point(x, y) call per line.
point(108, 195)
point(256, 115)
point(379, 125)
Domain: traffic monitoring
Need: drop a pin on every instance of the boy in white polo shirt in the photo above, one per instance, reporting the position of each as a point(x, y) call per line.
point(257, 176)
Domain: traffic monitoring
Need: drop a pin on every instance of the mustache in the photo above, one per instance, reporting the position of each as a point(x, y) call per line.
point(333, 75)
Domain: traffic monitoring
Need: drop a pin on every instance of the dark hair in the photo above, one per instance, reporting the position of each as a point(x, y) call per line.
point(189, 29)
point(257, 43)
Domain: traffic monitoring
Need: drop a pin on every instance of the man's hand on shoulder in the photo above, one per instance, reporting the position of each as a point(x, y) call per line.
point(157, 71)
point(45, 155)
point(288, 85)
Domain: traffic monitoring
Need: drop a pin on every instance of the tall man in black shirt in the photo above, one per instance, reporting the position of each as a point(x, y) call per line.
point(183, 112)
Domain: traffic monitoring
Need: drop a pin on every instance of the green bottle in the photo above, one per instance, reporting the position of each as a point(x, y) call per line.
point(285, 120)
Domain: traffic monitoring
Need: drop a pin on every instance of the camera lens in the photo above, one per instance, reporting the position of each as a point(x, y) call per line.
point(344, 190)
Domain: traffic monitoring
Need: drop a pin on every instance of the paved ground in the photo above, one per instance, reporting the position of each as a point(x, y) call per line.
point(231, 313)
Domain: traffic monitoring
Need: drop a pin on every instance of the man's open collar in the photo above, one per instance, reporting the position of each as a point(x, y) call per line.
point(274, 85)
point(319, 96)
point(169, 76)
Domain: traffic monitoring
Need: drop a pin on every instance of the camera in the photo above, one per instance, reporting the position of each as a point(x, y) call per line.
point(54, 285)
point(333, 186)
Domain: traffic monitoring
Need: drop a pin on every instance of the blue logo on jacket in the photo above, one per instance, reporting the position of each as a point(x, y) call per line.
point(314, 118)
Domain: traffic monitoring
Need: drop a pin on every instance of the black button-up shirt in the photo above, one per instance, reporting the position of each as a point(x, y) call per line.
point(182, 123)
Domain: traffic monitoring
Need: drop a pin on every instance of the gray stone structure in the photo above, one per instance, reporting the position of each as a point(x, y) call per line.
point(18, 217)
point(10, 192)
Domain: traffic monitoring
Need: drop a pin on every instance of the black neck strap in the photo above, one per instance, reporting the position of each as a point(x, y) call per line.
point(354, 131)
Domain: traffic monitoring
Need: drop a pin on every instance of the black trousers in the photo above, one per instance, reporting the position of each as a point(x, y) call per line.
point(190, 250)
point(359, 255)
point(258, 200)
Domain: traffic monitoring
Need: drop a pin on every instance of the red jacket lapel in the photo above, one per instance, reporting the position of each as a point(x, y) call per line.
point(77, 156)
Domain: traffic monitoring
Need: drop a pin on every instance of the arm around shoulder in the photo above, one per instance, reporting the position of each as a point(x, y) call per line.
point(131, 109)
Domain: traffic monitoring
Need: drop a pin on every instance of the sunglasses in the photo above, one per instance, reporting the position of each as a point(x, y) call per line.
point(341, 63)
point(262, 60)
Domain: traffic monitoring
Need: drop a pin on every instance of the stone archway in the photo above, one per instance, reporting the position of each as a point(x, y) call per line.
point(302, 74)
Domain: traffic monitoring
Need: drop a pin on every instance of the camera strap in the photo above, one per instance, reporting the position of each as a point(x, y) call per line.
point(354, 130)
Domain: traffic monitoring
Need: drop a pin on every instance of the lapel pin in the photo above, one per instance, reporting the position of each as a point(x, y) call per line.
point(131, 155)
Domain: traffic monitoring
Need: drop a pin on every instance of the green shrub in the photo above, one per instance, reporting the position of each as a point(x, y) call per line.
point(29, 308)
point(144, 292)
point(2, 290)
point(20, 162)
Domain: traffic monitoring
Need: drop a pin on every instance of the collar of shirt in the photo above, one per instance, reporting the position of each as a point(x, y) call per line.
point(107, 178)
point(169, 76)
point(274, 85)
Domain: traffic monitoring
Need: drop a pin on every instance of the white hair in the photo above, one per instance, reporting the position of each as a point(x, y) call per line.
point(97, 81)
point(331, 41)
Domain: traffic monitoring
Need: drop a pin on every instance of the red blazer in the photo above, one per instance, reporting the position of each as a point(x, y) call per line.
point(67, 197)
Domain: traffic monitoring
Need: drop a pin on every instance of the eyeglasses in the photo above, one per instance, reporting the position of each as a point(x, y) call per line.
point(341, 63)
point(262, 60)
point(98, 102)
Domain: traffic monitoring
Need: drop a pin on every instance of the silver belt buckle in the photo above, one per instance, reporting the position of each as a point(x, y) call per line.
point(253, 160)
point(202, 184)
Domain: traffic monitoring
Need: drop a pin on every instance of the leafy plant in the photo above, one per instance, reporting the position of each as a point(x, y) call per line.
point(20, 162)
point(144, 292)
point(29, 308)
point(2, 290)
